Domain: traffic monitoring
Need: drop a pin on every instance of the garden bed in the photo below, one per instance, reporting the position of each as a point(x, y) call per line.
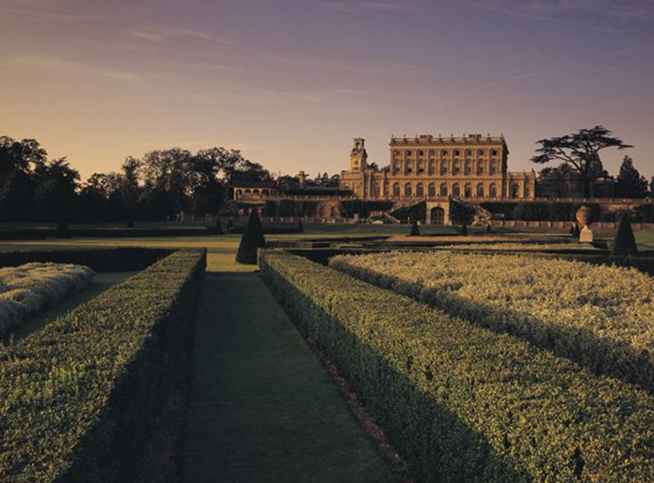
point(460, 402)
point(28, 289)
point(599, 316)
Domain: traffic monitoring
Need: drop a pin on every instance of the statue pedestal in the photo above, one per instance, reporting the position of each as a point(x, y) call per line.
point(586, 235)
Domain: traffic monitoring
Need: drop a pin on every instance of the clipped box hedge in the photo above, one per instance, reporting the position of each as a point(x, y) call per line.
point(80, 397)
point(121, 259)
point(463, 403)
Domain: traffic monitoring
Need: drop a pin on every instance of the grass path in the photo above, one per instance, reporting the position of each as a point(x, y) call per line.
point(262, 408)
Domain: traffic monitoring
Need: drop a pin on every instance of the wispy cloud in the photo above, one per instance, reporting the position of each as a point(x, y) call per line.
point(163, 33)
point(60, 65)
point(382, 6)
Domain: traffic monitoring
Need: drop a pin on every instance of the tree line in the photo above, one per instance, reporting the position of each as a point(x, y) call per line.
point(155, 187)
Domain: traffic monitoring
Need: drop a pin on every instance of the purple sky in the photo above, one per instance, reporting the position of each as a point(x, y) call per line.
point(291, 82)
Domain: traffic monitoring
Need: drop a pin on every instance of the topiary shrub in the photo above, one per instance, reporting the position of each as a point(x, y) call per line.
point(624, 242)
point(251, 240)
point(415, 231)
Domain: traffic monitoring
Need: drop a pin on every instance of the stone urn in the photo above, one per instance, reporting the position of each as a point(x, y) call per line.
point(584, 216)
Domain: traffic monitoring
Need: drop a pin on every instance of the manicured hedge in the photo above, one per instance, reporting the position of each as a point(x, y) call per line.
point(79, 398)
point(462, 403)
point(124, 259)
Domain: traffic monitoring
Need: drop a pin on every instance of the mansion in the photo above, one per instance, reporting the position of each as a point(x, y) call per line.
point(427, 167)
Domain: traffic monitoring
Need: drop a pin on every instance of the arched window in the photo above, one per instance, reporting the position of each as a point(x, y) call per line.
point(480, 190)
point(443, 189)
point(431, 190)
point(396, 189)
point(492, 190)
point(526, 190)
point(443, 168)
point(455, 167)
point(480, 168)
point(420, 190)
point(431, 167)
point(407, 190)
point(456, 190)
point(515, 190)
point(467, 168)
point(492, 168)
point(467, 191)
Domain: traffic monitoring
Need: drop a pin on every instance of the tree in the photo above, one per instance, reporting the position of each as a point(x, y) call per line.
point(630, 183)
point(580, 150)
point(56, 194)
point(130, 189)
point(651, 185)
point(251, 240)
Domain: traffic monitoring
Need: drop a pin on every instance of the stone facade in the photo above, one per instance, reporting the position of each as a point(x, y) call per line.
point(427, 167)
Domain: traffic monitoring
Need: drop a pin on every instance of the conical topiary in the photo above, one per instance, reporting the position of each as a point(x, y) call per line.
point(251, 240)
point(415, 231)
point(624, 242)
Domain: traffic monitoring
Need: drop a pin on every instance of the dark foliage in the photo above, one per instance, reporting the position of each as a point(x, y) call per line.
point(624, 242)
point(630, 183)
point(580, 151)
point(251, 240)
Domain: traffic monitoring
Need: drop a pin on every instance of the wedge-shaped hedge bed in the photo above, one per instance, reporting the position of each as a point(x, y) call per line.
point(463, 403)
point(79, 398)
point(599, 316)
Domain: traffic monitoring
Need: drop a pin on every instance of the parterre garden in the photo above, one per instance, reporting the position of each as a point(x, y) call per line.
point(490, 364)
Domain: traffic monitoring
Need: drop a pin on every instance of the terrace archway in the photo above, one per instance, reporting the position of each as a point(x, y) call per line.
point(437, 216)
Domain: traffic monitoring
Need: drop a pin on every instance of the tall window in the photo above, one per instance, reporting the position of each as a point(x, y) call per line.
point(480, 168)
point(526, 190)
point(492, 168)
point(455, 167)
point(431, 169)
point(467, 192)
point(396, 189)
point(407, 190)
point(492, 190)
point(443, 168)
point(443, 189)
point(467, 168)
point(456, 190)
point(480, 190)
point(515, 189)
point(431, 190)
point(420, 190)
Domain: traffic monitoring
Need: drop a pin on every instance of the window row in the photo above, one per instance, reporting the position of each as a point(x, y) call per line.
point(399, 167)
point(445, 153)
point(456, 191)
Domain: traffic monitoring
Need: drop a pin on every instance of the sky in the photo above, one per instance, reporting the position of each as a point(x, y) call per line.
point(292, 82)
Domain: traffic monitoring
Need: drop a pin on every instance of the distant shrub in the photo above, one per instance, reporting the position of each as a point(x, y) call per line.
point(251, 241)
point(415, 231)
point(624, 242)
